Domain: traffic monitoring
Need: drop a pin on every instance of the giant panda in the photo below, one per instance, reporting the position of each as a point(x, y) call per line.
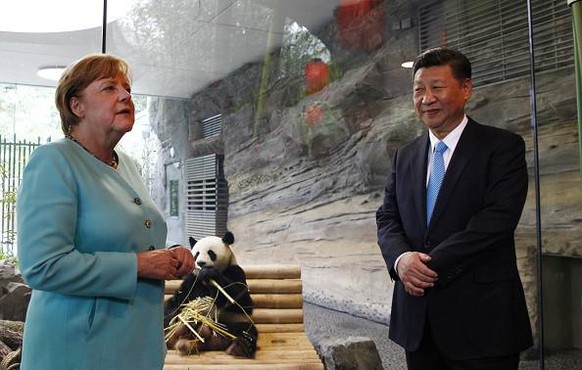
point(214, 261)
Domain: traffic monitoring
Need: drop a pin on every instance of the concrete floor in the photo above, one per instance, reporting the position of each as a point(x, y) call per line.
point(322, 323)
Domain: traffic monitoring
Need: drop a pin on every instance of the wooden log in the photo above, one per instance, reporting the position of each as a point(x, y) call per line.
point(253, 272)
point(11, 361)
point(249, 366)
point(203, 361)
point(277, 316)
point(272, 271)
point(172, 286)
point(4, 350)
point(273, 286)
point(260, 286)
point(280, 339)
point(278, 300)
point(214, 358)
point(275, 349)
point(280, 328)
point(11, 333)
point(220, 357)
point(265, 286)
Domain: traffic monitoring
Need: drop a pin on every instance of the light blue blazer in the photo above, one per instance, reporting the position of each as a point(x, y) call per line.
point(80, 225)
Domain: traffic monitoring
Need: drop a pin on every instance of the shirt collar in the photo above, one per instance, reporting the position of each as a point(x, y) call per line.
point(452, 139)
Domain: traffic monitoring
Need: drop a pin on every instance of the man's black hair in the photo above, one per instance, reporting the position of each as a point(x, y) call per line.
point(460, 64)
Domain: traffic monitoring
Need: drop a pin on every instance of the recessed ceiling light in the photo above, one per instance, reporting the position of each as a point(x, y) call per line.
point(35, 16)
point(407, 64)
point(51, 73)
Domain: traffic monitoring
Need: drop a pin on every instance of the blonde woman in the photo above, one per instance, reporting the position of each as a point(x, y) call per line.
point(91, 242)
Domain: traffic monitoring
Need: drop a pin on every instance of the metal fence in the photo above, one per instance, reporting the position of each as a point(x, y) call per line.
point(13, 156)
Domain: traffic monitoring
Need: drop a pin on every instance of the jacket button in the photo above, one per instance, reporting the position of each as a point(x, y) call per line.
point(148, 224)
point(137, 201)
point(427, 245)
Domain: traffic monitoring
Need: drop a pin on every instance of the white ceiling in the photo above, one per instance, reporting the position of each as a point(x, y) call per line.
point(174, 47)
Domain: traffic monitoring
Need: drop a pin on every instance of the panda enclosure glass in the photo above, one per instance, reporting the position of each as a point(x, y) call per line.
point(277, 120)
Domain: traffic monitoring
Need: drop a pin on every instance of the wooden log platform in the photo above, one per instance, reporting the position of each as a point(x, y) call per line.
point(276, 291)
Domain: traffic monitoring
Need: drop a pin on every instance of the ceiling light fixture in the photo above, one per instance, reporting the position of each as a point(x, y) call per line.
point(55, 15)
point(407, 65)
point(52, 73)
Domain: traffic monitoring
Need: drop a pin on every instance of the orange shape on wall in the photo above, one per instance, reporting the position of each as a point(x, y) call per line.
point(360, 24)
point(316, 76)
point(314, 114)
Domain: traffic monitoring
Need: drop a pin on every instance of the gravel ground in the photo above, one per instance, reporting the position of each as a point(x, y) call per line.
point(323, 323)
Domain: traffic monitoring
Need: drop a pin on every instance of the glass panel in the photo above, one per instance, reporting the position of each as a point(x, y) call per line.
point(560, 191)
point(312, 114)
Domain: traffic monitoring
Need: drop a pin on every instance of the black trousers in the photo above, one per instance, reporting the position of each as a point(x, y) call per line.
point(428, 357)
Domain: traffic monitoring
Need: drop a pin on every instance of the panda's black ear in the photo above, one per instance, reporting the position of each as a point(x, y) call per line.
point(192, 242)
point(228, 238)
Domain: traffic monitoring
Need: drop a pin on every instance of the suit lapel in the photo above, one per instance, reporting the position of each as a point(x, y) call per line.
point(466, 147)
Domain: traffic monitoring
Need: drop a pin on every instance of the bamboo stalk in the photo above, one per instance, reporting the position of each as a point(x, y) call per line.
point(224, 293)
point(191, 328)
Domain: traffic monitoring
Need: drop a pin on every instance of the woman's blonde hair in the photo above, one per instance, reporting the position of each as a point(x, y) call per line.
point(81, 74)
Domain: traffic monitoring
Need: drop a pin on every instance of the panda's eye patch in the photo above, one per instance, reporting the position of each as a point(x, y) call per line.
point(212, 255)
point(196, 255)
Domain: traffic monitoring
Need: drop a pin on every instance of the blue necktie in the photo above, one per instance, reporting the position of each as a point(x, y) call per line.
point(437, 174)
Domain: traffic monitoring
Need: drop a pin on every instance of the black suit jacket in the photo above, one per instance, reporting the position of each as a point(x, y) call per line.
point(477, 308)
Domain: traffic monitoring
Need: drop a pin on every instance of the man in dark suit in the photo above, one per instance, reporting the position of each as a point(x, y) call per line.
point(458, 300)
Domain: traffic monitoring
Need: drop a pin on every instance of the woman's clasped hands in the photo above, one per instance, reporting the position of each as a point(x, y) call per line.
point(165, 263)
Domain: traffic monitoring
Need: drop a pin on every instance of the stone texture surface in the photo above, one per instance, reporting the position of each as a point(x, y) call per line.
point(321, 324)
point(351, 353)
point(14, 294)
point(14, 301)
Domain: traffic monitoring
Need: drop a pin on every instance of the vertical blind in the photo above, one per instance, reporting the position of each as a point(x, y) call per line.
point(212, 126)
point(206, 196)
point(494, 35)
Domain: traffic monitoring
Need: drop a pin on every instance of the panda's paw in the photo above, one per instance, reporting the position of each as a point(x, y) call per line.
point(244, 345)
point(187, 347)
point(178, 333)
point(208, 273)
point(205, 331)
